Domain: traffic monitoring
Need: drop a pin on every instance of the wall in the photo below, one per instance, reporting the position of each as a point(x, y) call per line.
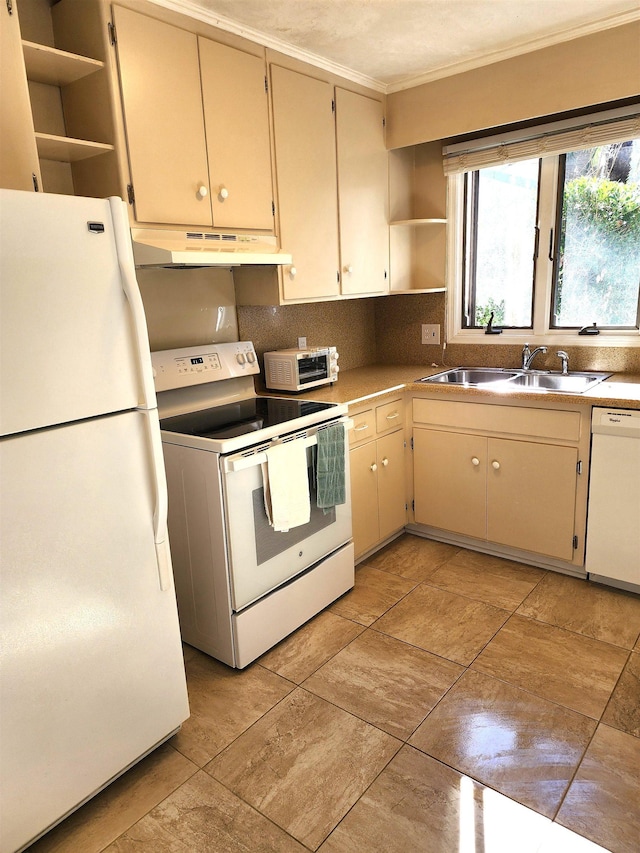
point(348, 325)
point(398, 321)
point(594, 69)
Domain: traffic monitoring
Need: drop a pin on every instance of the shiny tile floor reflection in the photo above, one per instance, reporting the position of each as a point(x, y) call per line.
point(453, 702)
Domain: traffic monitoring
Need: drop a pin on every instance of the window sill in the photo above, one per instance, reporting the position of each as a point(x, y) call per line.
point(519, 338)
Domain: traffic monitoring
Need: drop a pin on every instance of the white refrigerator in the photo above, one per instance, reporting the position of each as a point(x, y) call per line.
point(91, 669)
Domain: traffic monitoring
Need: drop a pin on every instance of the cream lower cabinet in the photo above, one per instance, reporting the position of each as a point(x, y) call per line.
point(197, 126)
point(521, 491)
point(377, 462)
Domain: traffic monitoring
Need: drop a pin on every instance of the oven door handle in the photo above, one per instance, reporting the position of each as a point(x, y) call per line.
point(241, 463)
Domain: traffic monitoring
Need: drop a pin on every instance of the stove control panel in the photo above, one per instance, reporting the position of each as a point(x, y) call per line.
point(179, 368)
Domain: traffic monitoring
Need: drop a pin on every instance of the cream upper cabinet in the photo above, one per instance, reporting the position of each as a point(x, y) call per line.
point(160, 83)
point(236, 116)
point(197, 127)
point(305, 154)
point(363, 182)
point(19, 165)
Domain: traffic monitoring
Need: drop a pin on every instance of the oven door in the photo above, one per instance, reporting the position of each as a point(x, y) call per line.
point(260, 559)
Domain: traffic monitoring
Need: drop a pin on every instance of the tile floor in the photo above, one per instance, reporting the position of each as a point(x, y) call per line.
point(451, 703)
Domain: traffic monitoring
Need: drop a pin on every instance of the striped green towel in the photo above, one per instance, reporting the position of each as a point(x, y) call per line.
point(330, 473)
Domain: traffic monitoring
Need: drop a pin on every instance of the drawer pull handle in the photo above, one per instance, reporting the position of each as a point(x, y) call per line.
point(361, 427)
point(495, 464)
point(374, 467)
point(475, 460)
point(385, 462)
point(393, 416)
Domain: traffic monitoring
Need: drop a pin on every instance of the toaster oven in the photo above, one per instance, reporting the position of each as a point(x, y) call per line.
point(300, 369)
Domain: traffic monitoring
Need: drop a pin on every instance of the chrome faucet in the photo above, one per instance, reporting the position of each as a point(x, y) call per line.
point(528, 356)
point(564, 358)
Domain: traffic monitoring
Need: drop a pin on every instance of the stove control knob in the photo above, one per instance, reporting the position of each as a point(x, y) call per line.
point(240, 358)
point(251, 357)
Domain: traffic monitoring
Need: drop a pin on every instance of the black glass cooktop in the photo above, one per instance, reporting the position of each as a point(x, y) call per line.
point(243, 417)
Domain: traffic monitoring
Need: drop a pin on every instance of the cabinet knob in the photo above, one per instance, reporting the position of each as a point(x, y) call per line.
point(203, 192)
point(293, 272)
point(385, 462)
point(348, 269)
point(475, 460)
point(495, 464)
point(223, 193)
point(374, 467)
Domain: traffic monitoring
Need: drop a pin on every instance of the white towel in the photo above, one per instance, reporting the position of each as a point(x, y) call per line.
point(286, 485)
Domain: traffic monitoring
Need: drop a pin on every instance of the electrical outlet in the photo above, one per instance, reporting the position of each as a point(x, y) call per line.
point(430, 333)
point(302, 343)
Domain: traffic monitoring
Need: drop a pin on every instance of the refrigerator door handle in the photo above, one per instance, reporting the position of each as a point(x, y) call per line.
point(132, 292)
point(161, 498)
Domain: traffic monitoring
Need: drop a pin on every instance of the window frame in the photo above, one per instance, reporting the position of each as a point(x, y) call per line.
point(542, 332)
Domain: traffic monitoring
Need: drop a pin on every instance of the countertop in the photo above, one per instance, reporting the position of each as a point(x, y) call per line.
point(364, 383)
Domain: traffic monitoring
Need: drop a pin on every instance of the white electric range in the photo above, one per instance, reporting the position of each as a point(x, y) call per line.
point(241, 585)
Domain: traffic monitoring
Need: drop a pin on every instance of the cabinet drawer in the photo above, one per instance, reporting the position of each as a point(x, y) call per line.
point(538, 423)
point(364, 427)
point(389, 416)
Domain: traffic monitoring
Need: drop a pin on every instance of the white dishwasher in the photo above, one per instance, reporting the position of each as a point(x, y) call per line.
point(613, 521)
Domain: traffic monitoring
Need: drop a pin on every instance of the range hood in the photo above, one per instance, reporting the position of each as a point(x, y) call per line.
point(155, 248)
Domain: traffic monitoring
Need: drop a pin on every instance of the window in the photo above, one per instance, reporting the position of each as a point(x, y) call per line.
point(546, 245)
point(597, 265)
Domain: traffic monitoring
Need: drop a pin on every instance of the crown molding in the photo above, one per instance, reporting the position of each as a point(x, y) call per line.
point(516, 50)
point(193, 10)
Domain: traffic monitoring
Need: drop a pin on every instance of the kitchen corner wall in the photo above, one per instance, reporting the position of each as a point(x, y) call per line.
point(387, 330)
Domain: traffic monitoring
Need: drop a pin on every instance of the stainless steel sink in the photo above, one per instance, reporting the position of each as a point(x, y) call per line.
point(574, 382)
point(472, 376)
point(568, 383)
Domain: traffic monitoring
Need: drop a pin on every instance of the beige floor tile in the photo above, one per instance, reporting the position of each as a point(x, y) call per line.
point(602, 802)
point(418, 805)
point(304, 765)
point(119, 806)
point(385, 682)
point(202, 816)
point(448, 625)
point(555, 664)
point(412, 557)
point(310, 646)
point(482, 577)
point(610, 615)
point(224, 702)
point(374, 593)
point(523, 746)
point(623, 710)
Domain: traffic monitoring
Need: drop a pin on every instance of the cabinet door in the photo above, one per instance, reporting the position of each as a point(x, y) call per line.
point(305, 153)
point(364, 497)
point(160, 83)
point(392, 514)
point(450, 481)
point(363, 194)
point(236, 118)
point(531, 494)
point(19, 162)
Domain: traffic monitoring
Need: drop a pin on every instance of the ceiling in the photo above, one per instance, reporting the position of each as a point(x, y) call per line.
point(393, 44)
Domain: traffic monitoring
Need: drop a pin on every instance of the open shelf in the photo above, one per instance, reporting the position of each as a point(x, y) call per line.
point(68, 150)
point(419, 222)
point(55, 67)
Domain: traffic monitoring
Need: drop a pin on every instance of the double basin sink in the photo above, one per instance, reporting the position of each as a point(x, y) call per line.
point(574, 382)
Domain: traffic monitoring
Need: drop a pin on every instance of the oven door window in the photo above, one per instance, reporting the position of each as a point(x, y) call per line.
point(312, 368)
point(261, 559)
